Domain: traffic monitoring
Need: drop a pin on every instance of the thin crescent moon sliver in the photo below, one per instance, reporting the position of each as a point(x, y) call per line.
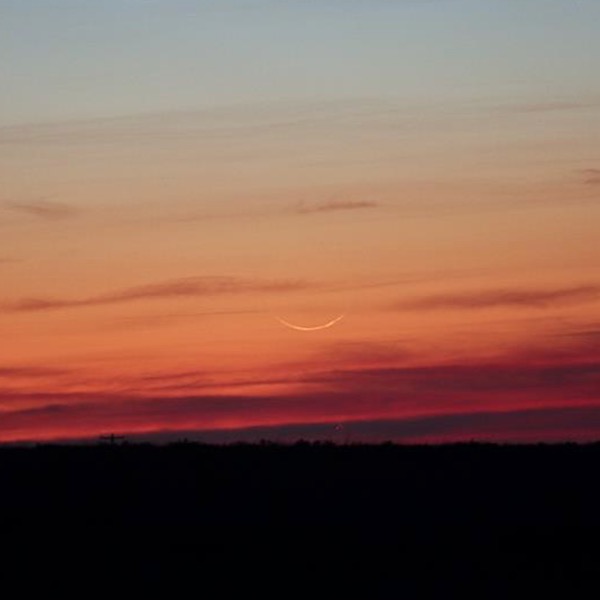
point(315, 328)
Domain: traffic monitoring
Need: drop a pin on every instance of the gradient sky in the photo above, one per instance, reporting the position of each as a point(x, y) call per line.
point(176, 174)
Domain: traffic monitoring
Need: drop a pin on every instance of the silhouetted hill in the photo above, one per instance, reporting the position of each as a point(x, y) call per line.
point(382, 514)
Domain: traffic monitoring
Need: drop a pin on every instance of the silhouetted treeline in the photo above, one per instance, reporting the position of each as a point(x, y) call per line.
point(364, 506)
point(318, 483)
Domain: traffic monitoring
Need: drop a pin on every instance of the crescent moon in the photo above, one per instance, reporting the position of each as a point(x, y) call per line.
point(315, 328)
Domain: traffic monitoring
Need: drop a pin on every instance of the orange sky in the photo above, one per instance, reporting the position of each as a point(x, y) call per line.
point(144, 258)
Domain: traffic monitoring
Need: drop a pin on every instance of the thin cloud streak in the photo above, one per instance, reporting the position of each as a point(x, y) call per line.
point(592, 176)
point(588, 336)
point(160, 320)
point(303, 208)
point(29, 372)
point(179, 288)
point(334, 206)
point(554, 106)
point(42, 209)
point(526, 298)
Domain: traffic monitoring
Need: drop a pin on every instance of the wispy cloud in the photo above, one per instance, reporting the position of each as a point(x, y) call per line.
point(159, 320)
point(554, 106)
point(581, 342)
point(240, 121)
point(557, 424)
point(591, 176)
point(30, 372)
point(456, 380)
point(321, 392)
point(334, 205)
point(302, 208)
point(590, 335)
point(419, 394)
point(463, 398)
point(527, 298)
point(188, 287)
point(42, 209)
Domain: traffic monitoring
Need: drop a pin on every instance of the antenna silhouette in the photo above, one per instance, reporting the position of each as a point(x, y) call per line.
point(112, 438)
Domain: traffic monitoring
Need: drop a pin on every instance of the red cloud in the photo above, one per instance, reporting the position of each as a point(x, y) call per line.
point(346, 395)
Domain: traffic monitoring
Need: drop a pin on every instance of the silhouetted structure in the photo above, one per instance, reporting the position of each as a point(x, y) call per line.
point(112, 438)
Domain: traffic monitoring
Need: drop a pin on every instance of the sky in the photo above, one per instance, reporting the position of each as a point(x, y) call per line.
point(190, 189)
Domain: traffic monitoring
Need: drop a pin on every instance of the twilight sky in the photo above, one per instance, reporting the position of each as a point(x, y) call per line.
point(176, 175)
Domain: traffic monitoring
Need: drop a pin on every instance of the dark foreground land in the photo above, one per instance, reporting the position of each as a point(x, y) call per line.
point(371, 521)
